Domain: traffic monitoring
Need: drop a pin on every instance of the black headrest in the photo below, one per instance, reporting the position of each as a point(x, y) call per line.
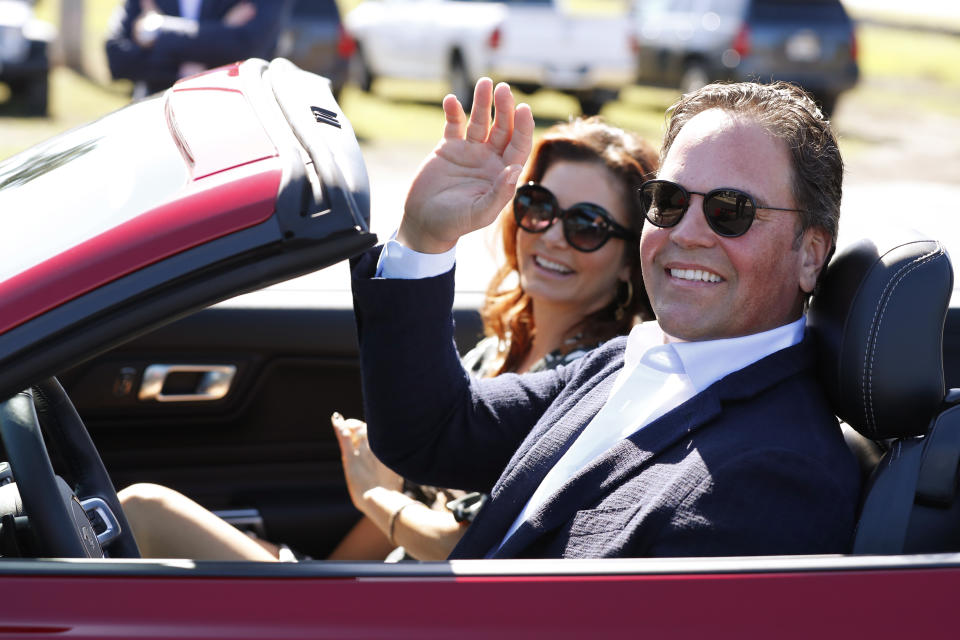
point(878, 319)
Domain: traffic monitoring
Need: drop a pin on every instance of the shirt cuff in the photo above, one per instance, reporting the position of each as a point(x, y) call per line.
point(398, 262)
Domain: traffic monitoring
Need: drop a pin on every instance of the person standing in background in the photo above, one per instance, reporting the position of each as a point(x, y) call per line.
point(157, 42)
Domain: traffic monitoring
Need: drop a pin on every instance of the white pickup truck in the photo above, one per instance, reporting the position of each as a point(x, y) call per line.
point(528, 43)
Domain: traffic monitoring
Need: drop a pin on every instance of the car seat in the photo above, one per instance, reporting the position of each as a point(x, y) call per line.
point(878, 319)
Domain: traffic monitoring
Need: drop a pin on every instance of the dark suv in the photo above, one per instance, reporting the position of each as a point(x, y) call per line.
point(688, 43)
point(24, 64)
point(314, 39)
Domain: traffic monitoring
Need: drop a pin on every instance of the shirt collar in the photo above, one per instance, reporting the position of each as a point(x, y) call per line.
point(707, 361)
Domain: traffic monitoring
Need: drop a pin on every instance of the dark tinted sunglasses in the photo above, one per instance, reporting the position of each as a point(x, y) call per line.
point(586, 226)
point(729, 212)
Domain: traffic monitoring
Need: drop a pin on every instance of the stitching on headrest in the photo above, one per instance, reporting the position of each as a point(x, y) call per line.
point(874, 332)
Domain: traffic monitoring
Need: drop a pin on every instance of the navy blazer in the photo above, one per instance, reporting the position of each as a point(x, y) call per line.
point(214, 44)
point(755, 464)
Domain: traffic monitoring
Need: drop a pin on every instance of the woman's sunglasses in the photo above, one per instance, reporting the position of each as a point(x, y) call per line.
point(586, 226)
point(729, 212)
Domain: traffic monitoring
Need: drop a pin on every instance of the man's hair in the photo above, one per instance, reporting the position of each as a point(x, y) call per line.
point(786, 112)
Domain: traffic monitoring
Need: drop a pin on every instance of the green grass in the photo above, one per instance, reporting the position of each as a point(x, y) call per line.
point(887, 53)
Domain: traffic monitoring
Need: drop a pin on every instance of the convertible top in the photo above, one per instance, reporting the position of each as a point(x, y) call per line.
point(231, 180)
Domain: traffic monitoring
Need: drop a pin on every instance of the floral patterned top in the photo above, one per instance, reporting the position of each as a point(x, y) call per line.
point(481, 360)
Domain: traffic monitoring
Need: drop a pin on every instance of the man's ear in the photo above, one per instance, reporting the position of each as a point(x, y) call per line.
point(815, 245)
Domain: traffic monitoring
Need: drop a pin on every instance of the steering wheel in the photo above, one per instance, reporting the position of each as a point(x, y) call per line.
point(56, 514)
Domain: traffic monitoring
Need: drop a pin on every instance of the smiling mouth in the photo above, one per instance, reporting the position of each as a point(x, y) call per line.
point(549, 265)
point(695, 275)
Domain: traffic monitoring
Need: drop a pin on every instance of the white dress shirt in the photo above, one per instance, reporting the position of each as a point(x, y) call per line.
point(657, 376)
point(397, 261)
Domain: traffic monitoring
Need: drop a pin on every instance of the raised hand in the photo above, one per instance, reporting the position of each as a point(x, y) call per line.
point(471, 174)
point(361, 468)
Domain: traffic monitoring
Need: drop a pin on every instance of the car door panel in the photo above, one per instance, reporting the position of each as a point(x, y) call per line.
point(268, 444)
point(740, 597)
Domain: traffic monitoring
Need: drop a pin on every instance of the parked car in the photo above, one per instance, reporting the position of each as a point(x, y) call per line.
point(253, 175)
point(313, 38)
point(24, 61)
point(689, 43)
point(530, 43)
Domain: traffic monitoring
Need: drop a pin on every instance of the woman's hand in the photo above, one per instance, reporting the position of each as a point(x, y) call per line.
point(471, 175)
point(376, 491)
point(361, 468)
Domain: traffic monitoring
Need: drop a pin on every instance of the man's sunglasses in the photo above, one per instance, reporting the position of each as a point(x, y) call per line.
point(586, 226)
point(729, 212)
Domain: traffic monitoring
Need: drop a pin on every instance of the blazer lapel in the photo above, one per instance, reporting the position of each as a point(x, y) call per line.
point(621, 461)
point(548, 441)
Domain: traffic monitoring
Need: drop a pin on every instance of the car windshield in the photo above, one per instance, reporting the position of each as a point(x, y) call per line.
point(48, 202)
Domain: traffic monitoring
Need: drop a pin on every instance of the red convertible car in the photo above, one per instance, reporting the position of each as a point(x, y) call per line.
point(126, 355)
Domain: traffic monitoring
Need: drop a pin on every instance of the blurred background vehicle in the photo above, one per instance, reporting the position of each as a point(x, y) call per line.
point(154, 43)
point(314, 38)
point(531, 44)
point(689, 43)
point(24, 63)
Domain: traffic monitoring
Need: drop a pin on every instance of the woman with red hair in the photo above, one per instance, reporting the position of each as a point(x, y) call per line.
point(571, 280)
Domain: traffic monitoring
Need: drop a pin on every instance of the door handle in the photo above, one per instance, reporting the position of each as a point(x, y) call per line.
point(214, 384)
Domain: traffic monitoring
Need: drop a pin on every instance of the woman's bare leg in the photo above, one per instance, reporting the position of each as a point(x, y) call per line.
point(168, 524)
point(364, 541)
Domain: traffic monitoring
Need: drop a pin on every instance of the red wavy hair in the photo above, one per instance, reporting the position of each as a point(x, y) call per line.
point(508, 313)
